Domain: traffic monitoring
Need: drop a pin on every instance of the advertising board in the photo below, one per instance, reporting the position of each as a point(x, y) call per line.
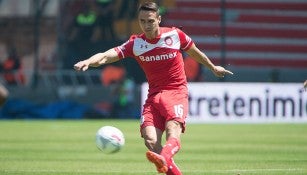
point(245, 102)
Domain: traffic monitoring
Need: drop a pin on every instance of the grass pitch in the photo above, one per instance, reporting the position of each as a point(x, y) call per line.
point(61, 147)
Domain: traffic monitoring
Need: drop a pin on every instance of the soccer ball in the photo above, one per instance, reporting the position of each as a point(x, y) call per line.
point(109, 139)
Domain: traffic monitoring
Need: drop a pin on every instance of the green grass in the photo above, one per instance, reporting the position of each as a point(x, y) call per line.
point(63, 147)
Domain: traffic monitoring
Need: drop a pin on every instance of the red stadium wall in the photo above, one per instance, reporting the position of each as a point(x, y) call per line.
point(258, 33)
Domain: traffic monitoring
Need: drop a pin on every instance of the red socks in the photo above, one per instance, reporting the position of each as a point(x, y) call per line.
point(171, 147)
point(173, 169)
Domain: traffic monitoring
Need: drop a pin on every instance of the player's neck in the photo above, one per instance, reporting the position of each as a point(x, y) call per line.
point(153, 35)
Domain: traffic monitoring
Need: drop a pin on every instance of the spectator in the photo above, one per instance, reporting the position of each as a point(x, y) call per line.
point(85, 22)
point(111, 74)
point(105, 19)
point(11, 69)
point(123, 105)
point(128, 8)
point(122, 89)
point(81, 32)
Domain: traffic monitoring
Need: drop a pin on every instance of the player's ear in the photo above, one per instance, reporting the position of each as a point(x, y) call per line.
point(159, 19)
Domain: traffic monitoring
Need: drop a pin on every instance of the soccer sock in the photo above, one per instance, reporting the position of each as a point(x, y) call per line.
point(173, 169)
point(171, 147)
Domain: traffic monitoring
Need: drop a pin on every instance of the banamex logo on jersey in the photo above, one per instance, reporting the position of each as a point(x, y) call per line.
point(158, 57)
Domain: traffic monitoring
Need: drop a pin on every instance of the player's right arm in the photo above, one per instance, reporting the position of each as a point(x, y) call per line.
point(98, 59)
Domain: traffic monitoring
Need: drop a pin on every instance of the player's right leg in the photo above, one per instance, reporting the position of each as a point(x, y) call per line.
point(158, 160)
point(152, 138)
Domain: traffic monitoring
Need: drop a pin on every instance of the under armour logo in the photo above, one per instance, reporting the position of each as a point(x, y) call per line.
point(146, 46)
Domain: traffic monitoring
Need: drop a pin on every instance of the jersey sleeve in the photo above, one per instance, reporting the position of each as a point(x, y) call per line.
point(126, 49)
point(185, 41)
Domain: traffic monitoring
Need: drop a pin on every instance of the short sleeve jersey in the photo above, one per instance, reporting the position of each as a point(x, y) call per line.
point(160, 58)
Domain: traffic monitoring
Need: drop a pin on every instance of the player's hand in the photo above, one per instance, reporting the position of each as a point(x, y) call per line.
point(81, 65)
point(220, 71)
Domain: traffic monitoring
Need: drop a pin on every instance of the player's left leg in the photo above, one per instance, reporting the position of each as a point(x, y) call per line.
point(173, 169)
point(172, 145)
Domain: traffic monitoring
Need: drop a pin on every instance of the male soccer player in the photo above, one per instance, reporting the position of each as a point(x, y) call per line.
point(158, 52)
point(3, 95)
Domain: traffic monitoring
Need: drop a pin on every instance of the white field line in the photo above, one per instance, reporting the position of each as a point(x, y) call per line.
point(238, 171)
point(74, 171)
point(289, 170)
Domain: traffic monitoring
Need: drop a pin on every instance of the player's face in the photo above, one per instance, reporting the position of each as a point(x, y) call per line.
point(149, 22)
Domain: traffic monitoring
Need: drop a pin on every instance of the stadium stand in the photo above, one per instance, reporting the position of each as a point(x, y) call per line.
point(270, 35)
point(265, 41)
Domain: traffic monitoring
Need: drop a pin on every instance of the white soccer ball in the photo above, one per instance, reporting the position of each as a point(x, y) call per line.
point(109, 139)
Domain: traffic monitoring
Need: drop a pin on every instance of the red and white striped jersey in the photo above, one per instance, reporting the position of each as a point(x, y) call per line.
point(160, 58)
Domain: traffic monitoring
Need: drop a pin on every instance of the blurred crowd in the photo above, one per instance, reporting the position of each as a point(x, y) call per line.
point(11, 68)
point(87, 27)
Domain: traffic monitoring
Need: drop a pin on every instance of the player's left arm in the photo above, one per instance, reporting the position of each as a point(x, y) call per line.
point(202, 58)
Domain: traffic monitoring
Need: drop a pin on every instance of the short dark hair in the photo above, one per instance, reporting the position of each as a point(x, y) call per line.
point(149, 6)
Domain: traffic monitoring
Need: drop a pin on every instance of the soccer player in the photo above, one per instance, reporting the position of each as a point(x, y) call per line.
point(158, 52)
point(3, 95)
